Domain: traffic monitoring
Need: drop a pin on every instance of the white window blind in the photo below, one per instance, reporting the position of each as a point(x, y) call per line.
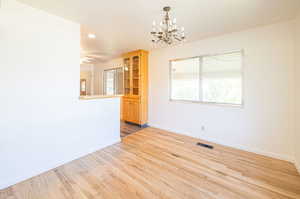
point(211, 79)
point(185, 79)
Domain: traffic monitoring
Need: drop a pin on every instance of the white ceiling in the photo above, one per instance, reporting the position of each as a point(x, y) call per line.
point(124, 25)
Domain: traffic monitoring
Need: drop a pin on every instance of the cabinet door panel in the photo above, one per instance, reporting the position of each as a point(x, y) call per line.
point(136, 75)
point(135, 111)
point(131, 110)
point(126, 110)
point(127, 76)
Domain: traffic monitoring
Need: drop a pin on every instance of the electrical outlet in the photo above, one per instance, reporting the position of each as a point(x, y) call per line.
point(202, 128)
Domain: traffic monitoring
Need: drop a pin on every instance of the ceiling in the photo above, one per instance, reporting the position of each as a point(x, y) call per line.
point(124, 25)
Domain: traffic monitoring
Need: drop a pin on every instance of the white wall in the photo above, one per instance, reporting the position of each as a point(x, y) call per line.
point(266, 123)
point(98, 76)
point(114, 63)
point(43, 124)
point(297, 72)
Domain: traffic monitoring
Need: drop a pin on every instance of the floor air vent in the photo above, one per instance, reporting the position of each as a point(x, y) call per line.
point(205, 145)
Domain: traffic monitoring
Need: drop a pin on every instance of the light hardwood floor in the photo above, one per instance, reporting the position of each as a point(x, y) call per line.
point(157, 164)
point(127, 129)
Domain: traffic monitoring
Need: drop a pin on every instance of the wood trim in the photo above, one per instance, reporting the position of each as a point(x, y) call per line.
point(98, 97)
point(297, 164)
point(132, 53)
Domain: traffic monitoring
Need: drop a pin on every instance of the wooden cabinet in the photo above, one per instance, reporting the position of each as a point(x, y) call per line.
point(131, 110)
point(135, 99)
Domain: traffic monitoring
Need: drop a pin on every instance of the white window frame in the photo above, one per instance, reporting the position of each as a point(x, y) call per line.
point(200, 79)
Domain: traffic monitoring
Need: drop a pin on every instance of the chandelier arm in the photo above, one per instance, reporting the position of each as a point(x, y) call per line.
point(178, 39)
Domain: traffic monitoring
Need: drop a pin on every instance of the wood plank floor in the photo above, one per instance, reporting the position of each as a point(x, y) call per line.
point(127, 129)
point(157, 164)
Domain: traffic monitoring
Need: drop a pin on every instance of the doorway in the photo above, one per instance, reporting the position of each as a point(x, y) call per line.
point(113, 81)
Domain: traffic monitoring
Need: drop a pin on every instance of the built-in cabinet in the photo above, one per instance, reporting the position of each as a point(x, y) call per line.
point(135, 99)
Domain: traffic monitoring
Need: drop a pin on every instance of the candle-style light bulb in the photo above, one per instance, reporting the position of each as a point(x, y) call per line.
point(182, 29)
point(153, 23)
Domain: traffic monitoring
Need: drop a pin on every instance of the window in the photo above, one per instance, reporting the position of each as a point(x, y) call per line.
point(185, 79)
point(113, 81)
point(211, 79)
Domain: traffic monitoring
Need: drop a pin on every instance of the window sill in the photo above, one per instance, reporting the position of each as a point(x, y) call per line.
point(208, 103)
point(93, 97)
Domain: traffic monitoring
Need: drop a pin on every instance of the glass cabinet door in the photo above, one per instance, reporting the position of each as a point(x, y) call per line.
point(135, 75)
point(127, 69)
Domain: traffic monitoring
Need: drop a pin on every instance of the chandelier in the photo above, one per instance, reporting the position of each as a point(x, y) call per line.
point(167, 31)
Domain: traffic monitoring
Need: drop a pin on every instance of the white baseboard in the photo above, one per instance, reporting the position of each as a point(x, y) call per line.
point(236, 146)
